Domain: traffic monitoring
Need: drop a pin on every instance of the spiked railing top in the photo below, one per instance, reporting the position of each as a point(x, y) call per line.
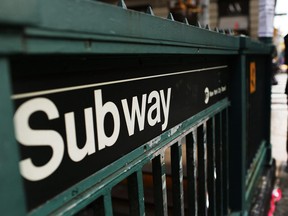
point(82, 21)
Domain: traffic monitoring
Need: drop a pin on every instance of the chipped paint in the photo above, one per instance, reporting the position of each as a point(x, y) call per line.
point(175, 129)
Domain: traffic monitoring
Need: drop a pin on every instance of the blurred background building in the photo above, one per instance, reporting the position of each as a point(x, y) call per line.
point(241, 16)
point(259, 19)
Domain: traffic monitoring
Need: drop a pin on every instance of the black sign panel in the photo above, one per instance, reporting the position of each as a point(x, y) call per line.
point(69, 131)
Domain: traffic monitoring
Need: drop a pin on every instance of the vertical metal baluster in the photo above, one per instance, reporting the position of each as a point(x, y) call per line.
point(191, 163)
point(202, 170)
point(219, 180)
point(159, 181)
point(108, 204)
point(211, 166)
point(225, 162)
point(11, 180)
point(136, 193)
point(177, 179)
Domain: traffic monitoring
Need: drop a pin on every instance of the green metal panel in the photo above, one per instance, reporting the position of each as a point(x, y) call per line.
point(12, 200)
point(71, 27)
point(10, 42)
point(255, 171)
point(243, 181)
point(53, 43)
point(250, 46)
point(39, 41)
point(79, 16)
point(159, 184)
point(238, 124)
point(19, 12)
point(191, 153)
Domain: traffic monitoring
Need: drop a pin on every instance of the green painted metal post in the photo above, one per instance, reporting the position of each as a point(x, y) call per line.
point(211, 166)
point(177, 179)
point(202, 170)
point(219, 164)
point(159, 181)
point(267, 107)
point(12, 201)
point(108, 204)
point(90, 31)
point(225, 156)
point(238, 137)
point(191, 154)
point(136, 193)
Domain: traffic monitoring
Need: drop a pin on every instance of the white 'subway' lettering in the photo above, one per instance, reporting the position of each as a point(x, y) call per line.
point(137, 114)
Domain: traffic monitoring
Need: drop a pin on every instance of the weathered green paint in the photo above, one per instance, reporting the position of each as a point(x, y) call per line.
point(12, 200)
point(254, 164)
point(159, 184)
point(211, 166)
point(177, 176)
point(19, 12)
point(250, 46)
point(68, 15)
point(41, 41)
point(71, 27)
point(255, 172)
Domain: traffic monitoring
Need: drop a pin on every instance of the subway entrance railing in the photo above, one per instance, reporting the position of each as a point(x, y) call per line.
point(108, 111)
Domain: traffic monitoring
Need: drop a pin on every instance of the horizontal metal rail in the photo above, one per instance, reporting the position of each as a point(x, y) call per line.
point(103, 181)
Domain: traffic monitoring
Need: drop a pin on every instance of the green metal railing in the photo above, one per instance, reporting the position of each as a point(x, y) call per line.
point(105, 110)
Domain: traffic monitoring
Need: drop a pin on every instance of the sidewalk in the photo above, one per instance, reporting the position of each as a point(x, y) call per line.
point(278, 140)
point(279, 119)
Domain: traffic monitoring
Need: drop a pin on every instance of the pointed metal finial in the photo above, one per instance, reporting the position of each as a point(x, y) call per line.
point(230, 32)
point(150, 11)
point(186, 21)
point(222, 31)
point(199, 24)
point(122, 4)
point(170, 16)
